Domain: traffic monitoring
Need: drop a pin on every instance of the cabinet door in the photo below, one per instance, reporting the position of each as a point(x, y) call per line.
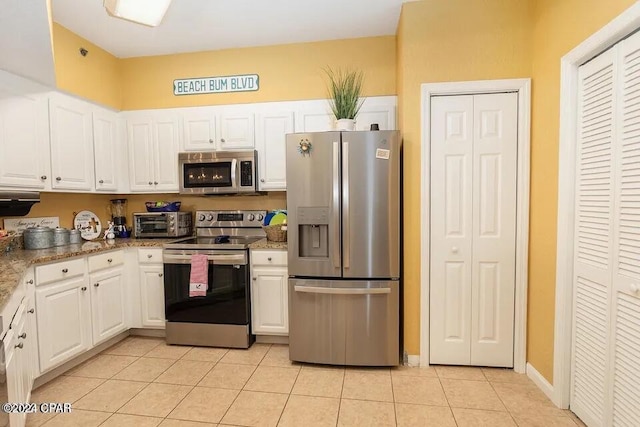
point(269, 301)
point(24, 140)
point(152, 295)
point(107, 304)
point(383, 115)
point(140, 139)
point(105, 149)
point(236, 131)
point(71, 144)
point(64, 321)
point(31, 343)
point(166, 139)
point(13, 377)
point(200, 130)
point(317, 119)
point(270, 143)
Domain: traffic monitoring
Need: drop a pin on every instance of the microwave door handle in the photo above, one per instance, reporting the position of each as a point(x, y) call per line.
point(234, 167)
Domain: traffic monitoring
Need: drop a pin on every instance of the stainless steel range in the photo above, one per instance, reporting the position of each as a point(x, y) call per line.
point(221, 318)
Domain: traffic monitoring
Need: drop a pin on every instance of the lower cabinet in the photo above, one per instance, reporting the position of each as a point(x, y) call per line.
point(269, 292)
point(64, 321)
point(152, 295)
point(108, 306)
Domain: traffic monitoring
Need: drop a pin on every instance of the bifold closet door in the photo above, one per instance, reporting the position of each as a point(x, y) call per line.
point(473, 211)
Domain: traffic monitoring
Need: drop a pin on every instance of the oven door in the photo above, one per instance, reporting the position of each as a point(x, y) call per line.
point(227, 300)
point(153, 225)
point(210, 177)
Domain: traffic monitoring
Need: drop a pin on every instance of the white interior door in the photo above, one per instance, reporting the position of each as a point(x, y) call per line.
point(473, 215)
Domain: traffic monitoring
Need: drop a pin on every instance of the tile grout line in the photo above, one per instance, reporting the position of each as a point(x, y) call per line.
point(289, 395)
point(344, 375)
point(446, 398)
point(393, 397)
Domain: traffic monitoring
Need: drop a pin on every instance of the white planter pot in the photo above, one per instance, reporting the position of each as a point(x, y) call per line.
point(345, 124)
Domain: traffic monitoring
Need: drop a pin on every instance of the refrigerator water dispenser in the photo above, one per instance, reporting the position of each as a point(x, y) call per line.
point(313, 232)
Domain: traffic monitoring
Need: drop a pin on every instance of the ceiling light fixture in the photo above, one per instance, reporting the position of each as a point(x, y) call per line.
point(147, 12)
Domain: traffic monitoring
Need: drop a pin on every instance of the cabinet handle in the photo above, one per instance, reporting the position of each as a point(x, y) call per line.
point(149, 256)
point(58, 178)
point(96, 284)
point(262, 180)
point(19, 345)
point(43, 177)
point(255, 278)
point(155, 182)
point(33, 310)
point(150, 183)
point(30, 282)
point(22, 335)
point(109, 260)
point(160, 274)
point(269, 259)
point(210, 141)
point(101, 181)
point(65, 270)
point(221, 139)
point(84, 288)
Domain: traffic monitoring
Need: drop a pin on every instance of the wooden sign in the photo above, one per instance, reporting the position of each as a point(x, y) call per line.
point(18, 225)
point(221, 84)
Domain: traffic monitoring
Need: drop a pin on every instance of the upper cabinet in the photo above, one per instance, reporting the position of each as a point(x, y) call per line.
point(315, 118)
point(24, 138)
point(153, 139)
point(72, 157)
point(384, 115)
point(271, 132)
point(236, 130)
point(105, 146)
point(200, 129)
point(218, 128)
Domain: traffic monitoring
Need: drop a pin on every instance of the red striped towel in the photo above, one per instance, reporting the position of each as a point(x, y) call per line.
point(199, 275)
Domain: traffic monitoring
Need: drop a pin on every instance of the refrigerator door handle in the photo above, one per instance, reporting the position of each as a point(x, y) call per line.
point(346, 225)
point(341, 291)
point(335, 209)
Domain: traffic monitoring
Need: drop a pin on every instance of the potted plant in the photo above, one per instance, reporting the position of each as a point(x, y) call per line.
point(344, 89)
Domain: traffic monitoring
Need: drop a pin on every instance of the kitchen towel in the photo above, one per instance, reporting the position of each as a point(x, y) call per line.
point(199, 275)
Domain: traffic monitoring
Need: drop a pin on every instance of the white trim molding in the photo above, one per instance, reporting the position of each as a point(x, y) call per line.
point(523, 88)
point(540, 381)
point(621, 27)
point(413, 360)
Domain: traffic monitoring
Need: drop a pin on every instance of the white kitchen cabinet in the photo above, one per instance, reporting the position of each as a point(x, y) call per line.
point(13, 370)
point(236, 130)
point(269, 293)
point(64, 320)
point(72, 158)
point(384, 115)
point(24, 140)
point(271, 132)
point(315, 118)
point(106, 151)
point(153, 151)
point(200, 127)
point(108, 306)
point(152, 295)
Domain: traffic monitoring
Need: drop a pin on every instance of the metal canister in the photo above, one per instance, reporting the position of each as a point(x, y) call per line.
point(60, 236)
point(75, 237)
point(38, 238)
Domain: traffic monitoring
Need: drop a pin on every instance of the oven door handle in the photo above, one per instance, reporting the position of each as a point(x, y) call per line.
point(239, 259)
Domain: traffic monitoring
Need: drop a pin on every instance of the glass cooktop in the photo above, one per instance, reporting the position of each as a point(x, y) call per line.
point(213, 242)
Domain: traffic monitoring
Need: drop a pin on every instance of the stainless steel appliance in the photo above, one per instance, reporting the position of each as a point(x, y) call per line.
point(17, 203)
point(222, 318)
point(343, 204)
point(118, 210)
point(218, 172)
point(162, 224)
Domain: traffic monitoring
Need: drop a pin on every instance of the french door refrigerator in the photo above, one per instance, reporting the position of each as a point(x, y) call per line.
point(343, 207)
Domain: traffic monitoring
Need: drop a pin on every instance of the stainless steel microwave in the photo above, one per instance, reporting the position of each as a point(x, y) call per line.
point(218, 172)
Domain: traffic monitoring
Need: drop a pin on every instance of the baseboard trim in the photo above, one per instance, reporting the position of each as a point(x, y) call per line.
point(156, 333)
point(272, 339)
point(413, 360)
point(541, 382)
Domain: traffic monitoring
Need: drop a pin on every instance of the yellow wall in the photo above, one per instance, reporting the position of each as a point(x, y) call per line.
point(440, 41)
point(558, 26)
point(287, 72)
point(96, 77)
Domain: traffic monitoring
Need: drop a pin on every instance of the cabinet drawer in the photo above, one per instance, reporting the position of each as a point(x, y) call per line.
point(269, 257)
point(59, 271)
point(150, 256)
point(106, 260)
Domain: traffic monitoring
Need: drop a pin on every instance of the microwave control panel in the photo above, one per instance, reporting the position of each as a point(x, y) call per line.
point(246, 173)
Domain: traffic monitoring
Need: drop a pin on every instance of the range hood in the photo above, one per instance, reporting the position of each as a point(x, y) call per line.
point(17, 203)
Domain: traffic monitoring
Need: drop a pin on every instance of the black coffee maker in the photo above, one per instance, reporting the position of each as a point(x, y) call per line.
point(119, 217)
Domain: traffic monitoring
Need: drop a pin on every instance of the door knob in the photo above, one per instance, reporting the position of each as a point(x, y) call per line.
point(19, 345)
point(155, 182)
point(30, 282)
point(634, 288)
point(149, 256)
point(101, 181)
point(84, 288)
point(160, 274)
point(261, 179)
point(255, 278)
point(96, 284)
point(43, 177)
point(150, 183)
point(33, 310)
point(269, 259)
point(109, 260)
point(210, 141)
point(22, 335)
point(454, 249)
point(221, 139)
point(65, 270)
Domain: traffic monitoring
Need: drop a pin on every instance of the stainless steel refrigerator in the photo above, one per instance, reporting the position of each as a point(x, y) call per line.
point(343, 207)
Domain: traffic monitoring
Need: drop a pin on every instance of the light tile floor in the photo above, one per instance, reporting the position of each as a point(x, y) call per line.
point(144, 382)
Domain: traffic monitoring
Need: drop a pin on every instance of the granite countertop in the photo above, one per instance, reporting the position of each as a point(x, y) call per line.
point(267, 244)
point(13, 264)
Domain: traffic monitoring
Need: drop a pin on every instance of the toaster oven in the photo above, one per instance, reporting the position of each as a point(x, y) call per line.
point(162, 224)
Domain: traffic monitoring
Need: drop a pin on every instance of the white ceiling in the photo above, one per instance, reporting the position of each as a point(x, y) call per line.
point(196, 25)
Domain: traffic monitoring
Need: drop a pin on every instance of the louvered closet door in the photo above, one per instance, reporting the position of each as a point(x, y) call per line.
point(626, 255)
point(451, 222)
point(594, 230)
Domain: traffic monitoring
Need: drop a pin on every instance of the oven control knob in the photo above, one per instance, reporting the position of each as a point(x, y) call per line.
point(251, 217)
point(209, 217)
point(201, 217)
point(260, 217)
